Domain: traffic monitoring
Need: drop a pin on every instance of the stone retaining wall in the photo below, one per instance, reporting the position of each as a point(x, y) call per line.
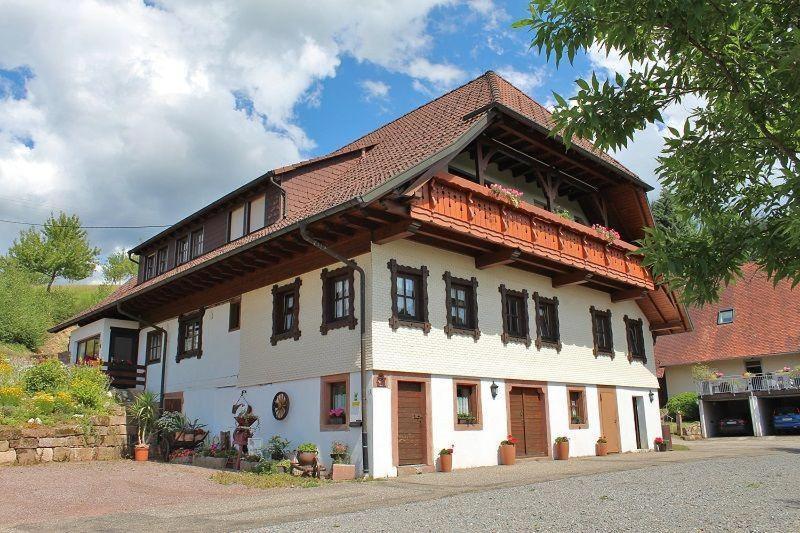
point(105, 439)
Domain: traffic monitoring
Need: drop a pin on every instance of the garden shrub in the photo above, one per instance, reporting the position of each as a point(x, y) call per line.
point(685, 403)
point(24, 309)
point(89, 373)
point(64, 403)
point(43, 403)
point(47, 376)
point(87, 392)
point(10, 395)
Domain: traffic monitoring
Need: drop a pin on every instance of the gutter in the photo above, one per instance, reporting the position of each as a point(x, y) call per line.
point(141, 320)
point(362, 312)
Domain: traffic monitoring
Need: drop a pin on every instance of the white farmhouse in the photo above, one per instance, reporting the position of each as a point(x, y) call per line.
point(448, 279)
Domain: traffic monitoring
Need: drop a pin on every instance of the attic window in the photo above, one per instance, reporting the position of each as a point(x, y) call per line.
point(725, 316)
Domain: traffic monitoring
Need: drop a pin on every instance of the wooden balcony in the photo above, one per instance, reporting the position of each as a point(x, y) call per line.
point(124, 375)
point(459, 205)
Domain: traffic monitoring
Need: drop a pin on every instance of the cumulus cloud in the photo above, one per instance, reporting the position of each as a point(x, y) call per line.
point(523, 80)
point(140, 113)
point(375, 89)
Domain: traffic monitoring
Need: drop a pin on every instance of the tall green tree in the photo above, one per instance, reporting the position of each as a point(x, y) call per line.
point(60, 249)
point(733, 165)
point(669, 215)
point(119, 268)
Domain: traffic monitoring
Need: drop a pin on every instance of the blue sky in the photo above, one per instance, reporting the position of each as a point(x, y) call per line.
point(128, 113)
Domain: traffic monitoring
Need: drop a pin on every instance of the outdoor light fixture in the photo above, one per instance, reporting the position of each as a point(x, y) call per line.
point(651, 395)
point(493, 388)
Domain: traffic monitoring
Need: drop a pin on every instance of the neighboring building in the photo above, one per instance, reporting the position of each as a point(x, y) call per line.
point(480, 317)
point(754, 329)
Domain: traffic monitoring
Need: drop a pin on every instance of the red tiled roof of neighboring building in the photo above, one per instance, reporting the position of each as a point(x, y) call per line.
point(325, 182)
point(766, 322)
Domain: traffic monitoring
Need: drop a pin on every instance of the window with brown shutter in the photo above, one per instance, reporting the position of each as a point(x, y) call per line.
point(190, 335)
point(515, 316)
point(338, 299)
point(602, 333)
point(548, 332)
point(634, 331)
point(154, 347)
point(286, 312)
point(409, 296)
point(461, 301)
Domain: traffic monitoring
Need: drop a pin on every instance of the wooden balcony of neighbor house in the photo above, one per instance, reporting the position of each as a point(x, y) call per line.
point(462, 206)
point(125, 375)
point(781, 383)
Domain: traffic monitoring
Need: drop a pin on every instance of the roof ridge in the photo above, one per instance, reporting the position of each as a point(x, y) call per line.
point(491, 78)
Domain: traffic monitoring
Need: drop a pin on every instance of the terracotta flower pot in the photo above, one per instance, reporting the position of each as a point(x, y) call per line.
point(508, 454)
point(446, 463)
point(601, 449)
point(141, 452)
point(562, 451)
point(306, 458)
point(343, 472)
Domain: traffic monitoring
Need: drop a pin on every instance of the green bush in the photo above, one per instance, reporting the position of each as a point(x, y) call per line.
point(24, 310)
point(685, 403)
point(48, 376)
point(89, 373)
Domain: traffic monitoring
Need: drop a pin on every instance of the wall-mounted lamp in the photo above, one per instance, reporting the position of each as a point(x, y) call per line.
point(493, 388)
point(651, 395)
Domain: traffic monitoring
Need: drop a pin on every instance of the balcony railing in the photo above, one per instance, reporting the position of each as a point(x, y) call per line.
point(124, 375)
point(463, 206)
point(757, 383)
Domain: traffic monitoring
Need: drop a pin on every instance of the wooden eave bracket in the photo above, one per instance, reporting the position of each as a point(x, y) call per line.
point(500, 257)
point(628, 294)
point(573, 278)
point(395, 231)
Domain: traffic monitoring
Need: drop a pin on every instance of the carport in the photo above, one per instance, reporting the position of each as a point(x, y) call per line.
point(713, 411)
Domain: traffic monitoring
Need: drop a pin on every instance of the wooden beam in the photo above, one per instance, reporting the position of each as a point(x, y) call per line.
point(666, 325)
point(573, 278)
point(628, 294)
point(392, 232)
point(500, 257)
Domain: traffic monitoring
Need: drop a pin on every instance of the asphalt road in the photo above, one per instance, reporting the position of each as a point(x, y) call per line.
point(721, 484)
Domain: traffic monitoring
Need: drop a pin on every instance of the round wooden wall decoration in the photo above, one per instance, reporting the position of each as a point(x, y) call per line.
point(280, 406)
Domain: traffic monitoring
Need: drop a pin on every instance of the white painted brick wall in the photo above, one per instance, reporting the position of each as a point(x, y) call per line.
point(410, 350)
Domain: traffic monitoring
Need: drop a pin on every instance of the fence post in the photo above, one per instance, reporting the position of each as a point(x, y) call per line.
point(679, 423)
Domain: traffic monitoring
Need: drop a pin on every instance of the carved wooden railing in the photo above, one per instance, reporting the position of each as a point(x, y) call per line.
point(125, 376)
point(461, 205)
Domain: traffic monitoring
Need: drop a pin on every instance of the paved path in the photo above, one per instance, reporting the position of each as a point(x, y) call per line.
point(752, 483)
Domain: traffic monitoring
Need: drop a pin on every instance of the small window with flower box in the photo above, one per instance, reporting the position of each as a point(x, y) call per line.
point(467, 397)
point(88, 349)
point(334, 394)
point(576, 405)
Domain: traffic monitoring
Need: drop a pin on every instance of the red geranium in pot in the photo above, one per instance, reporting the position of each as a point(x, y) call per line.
point(508, 450)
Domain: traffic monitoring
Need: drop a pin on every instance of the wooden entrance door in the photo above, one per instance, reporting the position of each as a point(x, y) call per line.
point(609, 417)
point(528, 420)
point(411, 423)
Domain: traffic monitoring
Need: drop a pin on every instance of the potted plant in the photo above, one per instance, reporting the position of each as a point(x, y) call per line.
point(212, 456)
point(336, 416)
point(607, 234)
point(250, 462)
point(306, 454)
point(182, 431)
point(341, 469)
point(659, 444)
point(601, 447)
point(508, 450)
point(446, 459)
point(143, 410)
point(466, 418)
point(277, 448)
point(561, 449)
point(282, 467)
point(507, 194)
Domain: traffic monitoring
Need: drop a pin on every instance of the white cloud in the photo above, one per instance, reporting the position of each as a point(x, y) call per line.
point(375, 89)
point(131, 108)
point(491, 12)
point(523, 80)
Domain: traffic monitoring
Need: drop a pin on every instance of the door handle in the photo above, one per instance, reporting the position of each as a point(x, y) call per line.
point(416, 417)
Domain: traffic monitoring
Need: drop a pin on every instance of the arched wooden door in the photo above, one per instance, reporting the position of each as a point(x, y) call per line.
point(528, 420)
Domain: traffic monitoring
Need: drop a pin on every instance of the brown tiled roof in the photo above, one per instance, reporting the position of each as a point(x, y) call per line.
point(766, 321)
point(320, 184)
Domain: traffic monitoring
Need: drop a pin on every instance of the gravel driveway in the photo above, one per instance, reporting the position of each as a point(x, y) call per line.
point(747, 484)
point(746, 494)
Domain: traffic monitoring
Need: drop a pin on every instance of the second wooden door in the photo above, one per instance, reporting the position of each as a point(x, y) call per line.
point(411, 423)
point(609, 417)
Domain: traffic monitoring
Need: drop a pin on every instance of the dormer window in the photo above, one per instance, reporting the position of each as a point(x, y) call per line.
point(149, 266)
point(182, 250)
point(197, 243)
point(725, 316)
point(161, 263)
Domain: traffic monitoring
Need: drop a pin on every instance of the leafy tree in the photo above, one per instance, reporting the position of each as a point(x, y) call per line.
point(669, 215)
point(734, 164)
point(118, 268)
point(60, 249)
